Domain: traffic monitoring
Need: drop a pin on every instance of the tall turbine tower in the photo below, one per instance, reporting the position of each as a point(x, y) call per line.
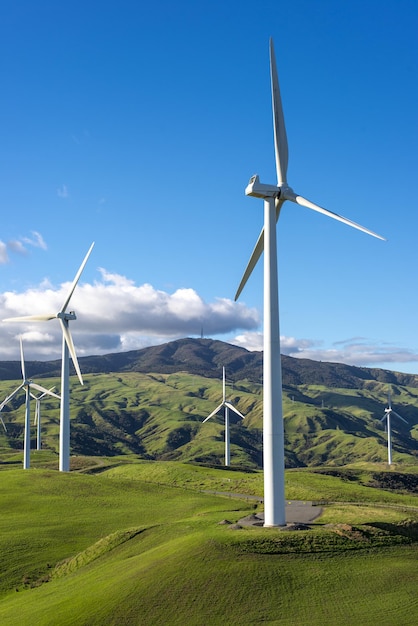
point(274, 196)
point(67, 348)
point(388, 412)
point(27, 383)
point(226, 405)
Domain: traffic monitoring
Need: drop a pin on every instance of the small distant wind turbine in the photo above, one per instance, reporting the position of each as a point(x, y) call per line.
point(226, 405)
point(67, 348)
point(388, 412)
point(37, 421)
point(27, 383)
point(274, 197)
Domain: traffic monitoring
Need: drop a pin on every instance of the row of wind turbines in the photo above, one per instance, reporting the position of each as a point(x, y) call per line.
point(274, 197)
point(227, 406)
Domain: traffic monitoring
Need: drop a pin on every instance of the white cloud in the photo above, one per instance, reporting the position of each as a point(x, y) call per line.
point(37, 241)
point(355, 351)
point(114, 314)
point(249, 341)
point(18, 246)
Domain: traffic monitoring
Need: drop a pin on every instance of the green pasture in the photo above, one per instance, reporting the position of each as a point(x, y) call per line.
point(141, 542)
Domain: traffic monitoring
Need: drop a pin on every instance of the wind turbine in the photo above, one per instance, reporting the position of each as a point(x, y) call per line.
point(67, 348)
point(37, 421)
point(27, 383)
point(388, 412)
point(227, 406)
point(274, 197)
point(3, 424)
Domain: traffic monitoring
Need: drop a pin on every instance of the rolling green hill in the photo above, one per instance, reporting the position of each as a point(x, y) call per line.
point(142, 531)
point(141, 543)
point(158, 414)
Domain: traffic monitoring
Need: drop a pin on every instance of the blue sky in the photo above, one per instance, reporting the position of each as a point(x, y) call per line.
point(138, 126)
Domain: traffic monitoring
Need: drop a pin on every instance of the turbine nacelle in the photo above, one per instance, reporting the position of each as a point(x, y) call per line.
point(67, 316)
point(260, 190)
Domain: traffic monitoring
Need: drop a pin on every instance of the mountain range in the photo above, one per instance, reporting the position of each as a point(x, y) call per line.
point(152, 403)
point(205, 357)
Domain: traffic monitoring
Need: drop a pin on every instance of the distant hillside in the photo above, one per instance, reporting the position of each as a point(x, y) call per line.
point(153, 402)
point(205, 357)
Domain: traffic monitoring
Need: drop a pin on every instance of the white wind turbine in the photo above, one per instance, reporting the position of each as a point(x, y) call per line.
point(67, 348)
point(388, 412)
point(3, 424)
point(27, 383)
point(37, 421)
point(227, 406)
point(274, 197)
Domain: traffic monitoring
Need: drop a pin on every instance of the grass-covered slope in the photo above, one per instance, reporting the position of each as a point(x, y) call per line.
point(131, 545)
point(160, 416)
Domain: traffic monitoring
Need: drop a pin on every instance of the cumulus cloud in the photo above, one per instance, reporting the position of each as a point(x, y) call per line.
point(114, 314)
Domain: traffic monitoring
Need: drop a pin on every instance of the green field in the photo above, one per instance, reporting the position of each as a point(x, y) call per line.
point(141, 542)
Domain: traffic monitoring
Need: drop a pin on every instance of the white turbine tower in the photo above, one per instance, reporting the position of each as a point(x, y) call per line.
point(37, 421)
point(67, 348)
point(274, 197)
point(227, 406)
point(388, 412)
point(27, 383)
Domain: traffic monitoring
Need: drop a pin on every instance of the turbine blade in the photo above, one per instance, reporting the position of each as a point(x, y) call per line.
point(218, 408)
point(31, 318)
point(258, 249)
point(310, 205)
point(44, 391)
point(69, 342)
point(280, 138)
point(22, 360)
point(223, 386)
point(399, 416)
point(48, 392)
point(12, 395)
point(232, 408)
point(4, 425)
point(76, 279)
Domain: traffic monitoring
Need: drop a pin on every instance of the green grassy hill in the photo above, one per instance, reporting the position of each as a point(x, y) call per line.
point(160, 416)
point(141, 542)
point(141, 531)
